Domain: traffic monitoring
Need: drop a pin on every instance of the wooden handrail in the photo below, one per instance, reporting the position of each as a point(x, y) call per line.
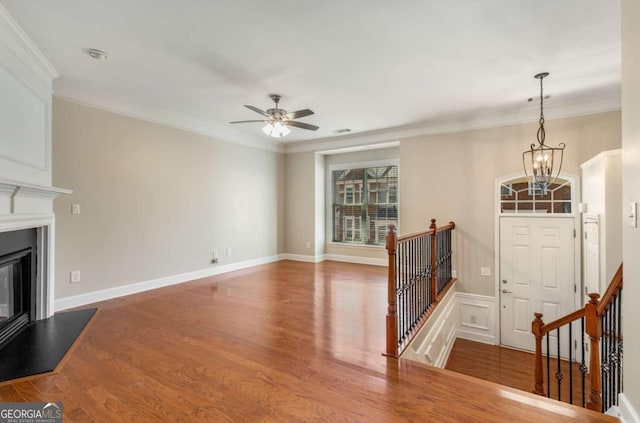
point(408, 237)
point(615, 284)
point(548, 327)
point(422, 301)
point(592, 313)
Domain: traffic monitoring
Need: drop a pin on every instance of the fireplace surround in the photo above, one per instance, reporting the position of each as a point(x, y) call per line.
point(27, 221)
point(17, 281)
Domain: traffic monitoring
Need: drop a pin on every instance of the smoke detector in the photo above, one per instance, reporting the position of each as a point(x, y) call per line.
point(96, 54)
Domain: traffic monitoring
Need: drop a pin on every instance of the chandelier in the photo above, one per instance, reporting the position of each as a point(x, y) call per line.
point(540, 160)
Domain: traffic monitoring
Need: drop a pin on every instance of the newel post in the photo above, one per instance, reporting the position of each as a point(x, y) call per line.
point(536, 328)
point(594, 330)
point(434, 270)
point(392, 317)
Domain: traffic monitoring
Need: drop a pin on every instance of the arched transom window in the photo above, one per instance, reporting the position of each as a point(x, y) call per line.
point(521, 196)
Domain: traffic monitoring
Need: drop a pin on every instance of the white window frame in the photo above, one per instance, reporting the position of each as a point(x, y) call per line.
point(330, 195)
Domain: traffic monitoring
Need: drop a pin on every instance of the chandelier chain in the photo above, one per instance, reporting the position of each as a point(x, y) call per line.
point(541, 131)
point(541, 102)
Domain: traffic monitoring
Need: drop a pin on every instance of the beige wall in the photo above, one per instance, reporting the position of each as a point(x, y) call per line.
point(300, 203)
point(452, 177)
point(631, 192)
point(156, 201)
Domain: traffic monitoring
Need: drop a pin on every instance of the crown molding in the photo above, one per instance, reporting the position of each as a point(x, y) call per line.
point(25, 49)
point(482, 119)
point(86, 97)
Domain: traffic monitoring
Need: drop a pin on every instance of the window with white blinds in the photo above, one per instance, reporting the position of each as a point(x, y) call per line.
point(365, 202)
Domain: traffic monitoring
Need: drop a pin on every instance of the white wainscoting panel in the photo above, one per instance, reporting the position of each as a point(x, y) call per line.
point(435, 340)
point(477, 318)
point(25, 106)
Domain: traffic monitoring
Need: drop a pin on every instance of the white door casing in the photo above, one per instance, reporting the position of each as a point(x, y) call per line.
point(591, 254)
point(537, 274)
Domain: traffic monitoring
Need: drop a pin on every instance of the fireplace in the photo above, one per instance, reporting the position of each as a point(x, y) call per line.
point(17, 281)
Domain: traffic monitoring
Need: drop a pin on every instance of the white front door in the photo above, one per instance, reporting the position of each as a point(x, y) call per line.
point(536, 275)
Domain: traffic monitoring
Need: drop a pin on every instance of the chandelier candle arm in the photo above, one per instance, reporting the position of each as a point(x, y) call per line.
point(540, 159)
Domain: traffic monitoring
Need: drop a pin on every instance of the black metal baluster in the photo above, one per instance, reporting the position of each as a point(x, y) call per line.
point(559, 371)
point(403, 273)
point(412, 300)
point(399, 290)
point(570, 365)
point(548, 368)
point(604, 364)
point(425, 258)
point(449, 252)
point(619, 342)
point(406, 290)
point(612, 352)
point(400, 295)
point(583, 367)
point(420, 276)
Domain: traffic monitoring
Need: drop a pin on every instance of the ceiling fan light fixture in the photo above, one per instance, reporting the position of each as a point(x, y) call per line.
point(276, 129)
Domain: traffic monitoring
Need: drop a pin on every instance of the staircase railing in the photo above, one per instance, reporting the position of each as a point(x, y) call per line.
point(601, 321)
point(419, 276)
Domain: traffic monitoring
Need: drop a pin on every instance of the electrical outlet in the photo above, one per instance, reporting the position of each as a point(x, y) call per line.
point(485, 271)
point(308, 244)
point(633, 215)
point(75, 209)
point(74, 276)
point(214, 259)
point(228, 251)
point(454, 273)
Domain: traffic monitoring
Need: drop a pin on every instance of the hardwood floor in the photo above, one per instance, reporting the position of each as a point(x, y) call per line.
point(281, 342)
point(512, 368)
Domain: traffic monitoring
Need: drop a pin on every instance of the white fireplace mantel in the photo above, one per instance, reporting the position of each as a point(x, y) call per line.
point(25, 206)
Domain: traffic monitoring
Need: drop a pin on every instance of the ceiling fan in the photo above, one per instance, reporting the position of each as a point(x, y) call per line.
point(278, 120)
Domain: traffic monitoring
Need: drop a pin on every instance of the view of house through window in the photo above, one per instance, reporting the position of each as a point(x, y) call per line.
point(519, 195)
point(365, 202)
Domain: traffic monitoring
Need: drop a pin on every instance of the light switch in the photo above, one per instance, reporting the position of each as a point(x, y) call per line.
point(75, 209)
point(633, 215)
point(485, 271)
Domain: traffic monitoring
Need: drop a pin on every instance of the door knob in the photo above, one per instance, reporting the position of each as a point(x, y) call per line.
point(504, 291)
point(504, 281)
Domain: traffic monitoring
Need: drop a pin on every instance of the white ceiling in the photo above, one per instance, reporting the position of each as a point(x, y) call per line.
point(383, 69)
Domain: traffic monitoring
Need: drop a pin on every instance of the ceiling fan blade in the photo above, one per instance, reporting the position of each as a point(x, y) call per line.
point(298, 114)
point(247, 121)
point(301, 125)
point(255, 109)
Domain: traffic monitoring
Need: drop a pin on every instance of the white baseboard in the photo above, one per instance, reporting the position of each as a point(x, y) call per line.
point(335, 257)
point(477, 318)
point(358, 260)
point(134, 288)
point(302, 257)
point(628, 414)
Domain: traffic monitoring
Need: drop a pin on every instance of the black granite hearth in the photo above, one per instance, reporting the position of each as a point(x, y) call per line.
point(42, 345)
